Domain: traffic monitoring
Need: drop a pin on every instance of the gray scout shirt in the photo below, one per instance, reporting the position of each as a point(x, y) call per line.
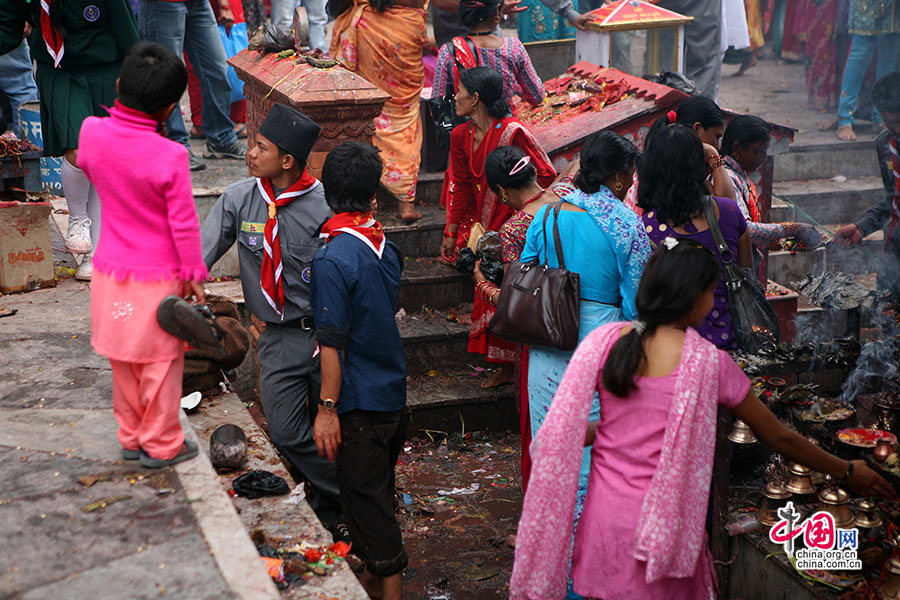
point(240, 214)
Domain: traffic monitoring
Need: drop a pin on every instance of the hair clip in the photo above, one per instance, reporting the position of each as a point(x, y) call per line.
point(673, 117)
point(670, 243)
point(523, 162)
point(639, 326)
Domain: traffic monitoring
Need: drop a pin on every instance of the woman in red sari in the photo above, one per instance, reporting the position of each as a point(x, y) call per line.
point(480, 97)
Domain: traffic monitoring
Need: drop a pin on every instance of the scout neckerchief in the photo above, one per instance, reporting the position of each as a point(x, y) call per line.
point(52, 38)
point(746, 187)
point(361, 225)
point(895, 210)
point(270, 276)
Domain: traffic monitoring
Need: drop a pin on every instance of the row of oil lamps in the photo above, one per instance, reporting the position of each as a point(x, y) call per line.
point(832, 499)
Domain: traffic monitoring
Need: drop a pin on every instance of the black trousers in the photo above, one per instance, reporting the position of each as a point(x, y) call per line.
point(370, 444)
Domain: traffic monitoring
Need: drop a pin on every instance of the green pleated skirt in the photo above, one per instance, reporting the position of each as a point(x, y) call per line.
point(68, 98)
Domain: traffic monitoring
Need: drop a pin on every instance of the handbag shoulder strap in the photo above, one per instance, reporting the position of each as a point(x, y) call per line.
point(725, 252)
point(556, 207)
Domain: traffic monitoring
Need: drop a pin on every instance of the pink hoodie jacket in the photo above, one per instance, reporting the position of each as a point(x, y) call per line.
point(150, 229)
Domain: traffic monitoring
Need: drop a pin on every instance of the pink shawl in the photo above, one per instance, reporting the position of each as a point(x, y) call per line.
point(670, 533)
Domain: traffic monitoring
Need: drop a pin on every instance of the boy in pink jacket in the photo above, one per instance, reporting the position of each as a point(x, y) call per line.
point(149, 248)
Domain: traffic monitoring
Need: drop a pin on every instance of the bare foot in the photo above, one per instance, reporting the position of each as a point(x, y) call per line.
point(504, 374)
point(408, 212)
point(846, 133)
point(746, 66)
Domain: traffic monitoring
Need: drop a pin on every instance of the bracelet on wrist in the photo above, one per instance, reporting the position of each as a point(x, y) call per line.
point(848, 473)
point(715, 163)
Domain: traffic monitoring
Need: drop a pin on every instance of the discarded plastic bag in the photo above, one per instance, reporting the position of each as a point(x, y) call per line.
point(257, 484)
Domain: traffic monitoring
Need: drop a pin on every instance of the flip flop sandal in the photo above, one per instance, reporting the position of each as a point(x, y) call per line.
point(188, 451)
point(241, 131)
point(196, 134)
point(194, 324)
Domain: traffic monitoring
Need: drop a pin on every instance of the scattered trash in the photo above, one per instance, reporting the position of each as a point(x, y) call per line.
point(274, 567)
point(228, 447)
point(8, 312)
point(839, 179)
point(191, 401)
point(103, 503)
point(89, 480)
point(298, 494)
point(458, 491)
point(401, 314)
point(257, 484)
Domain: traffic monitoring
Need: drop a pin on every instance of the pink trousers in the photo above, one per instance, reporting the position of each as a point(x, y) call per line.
point(147, 404)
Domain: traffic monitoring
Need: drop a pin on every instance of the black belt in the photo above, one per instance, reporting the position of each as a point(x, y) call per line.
point(304, 323)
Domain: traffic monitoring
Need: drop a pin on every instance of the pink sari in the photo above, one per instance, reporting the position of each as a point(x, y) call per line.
point(669, 538)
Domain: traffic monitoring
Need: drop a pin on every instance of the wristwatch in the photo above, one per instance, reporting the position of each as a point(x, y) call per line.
point(328, 403)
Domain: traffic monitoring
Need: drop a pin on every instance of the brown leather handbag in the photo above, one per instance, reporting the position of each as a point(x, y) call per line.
point(540, 305)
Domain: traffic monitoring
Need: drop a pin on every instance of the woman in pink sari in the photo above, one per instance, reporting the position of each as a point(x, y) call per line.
point(642, 533)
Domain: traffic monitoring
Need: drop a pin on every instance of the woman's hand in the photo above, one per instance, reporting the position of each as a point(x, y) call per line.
point(194, 288)
point(448, 249)
point(476, 272)
point(710, 151)
point(866, 482)
point(848, 235)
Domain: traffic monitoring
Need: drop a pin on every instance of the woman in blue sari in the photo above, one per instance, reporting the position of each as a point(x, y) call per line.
point(605, 243)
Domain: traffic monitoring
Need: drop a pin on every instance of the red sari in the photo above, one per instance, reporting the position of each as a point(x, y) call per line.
point(471, 200)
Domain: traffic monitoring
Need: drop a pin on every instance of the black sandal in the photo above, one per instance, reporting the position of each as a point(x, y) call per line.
point(194, 324)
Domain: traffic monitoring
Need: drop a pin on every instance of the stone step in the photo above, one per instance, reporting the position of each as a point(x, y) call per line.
point(824, 200)
point(428, 192)
point(850, 159)
point(428, 283)
point(436, 340)
point(456, 402)
point(422, 238)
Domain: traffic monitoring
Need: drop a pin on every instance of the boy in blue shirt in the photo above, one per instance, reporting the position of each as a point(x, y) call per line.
point(362, 417)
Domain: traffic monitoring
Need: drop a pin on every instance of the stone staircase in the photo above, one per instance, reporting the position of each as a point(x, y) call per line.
point(830, 185)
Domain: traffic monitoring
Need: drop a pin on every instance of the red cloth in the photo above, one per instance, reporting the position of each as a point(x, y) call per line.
point(361, 225)
point(471, 200)
point(52, 38)
point(895, 211)
point(271, 281)
point(524, 416)
point(238, 109)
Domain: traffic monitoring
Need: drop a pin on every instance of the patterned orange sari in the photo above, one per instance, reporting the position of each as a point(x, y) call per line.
point(386, 49)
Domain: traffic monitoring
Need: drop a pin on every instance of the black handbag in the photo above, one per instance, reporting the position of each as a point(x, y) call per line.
point(442, 109)
point(540, 305)
point(753, 320)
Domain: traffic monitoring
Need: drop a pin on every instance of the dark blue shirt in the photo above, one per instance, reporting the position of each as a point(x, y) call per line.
point(353, 295)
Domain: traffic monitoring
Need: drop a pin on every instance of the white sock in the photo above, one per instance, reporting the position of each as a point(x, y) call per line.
point(93, 209)
point(77, 188)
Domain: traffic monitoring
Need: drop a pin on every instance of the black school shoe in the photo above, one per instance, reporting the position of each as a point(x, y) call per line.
point(188, 451)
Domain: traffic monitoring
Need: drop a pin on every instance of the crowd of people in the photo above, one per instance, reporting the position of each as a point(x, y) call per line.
point(617, 435)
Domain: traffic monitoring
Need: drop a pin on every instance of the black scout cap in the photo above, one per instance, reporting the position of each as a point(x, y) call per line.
point(290, 130)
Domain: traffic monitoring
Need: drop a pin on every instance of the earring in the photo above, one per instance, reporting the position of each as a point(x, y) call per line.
point(504, 197)
point(618, 187)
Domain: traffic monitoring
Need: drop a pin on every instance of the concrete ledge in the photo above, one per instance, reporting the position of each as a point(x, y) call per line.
point(229, 544)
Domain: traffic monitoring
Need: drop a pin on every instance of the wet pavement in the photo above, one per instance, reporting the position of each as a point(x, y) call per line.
point(461, 496)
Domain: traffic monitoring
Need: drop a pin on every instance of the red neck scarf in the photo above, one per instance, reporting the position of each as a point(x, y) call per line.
point(52, 38)
point(895, 211)
point(270, 275)
point(361, 225)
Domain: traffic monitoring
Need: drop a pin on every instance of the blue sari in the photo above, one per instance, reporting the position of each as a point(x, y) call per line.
point(608, 247)
point(540, 24)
